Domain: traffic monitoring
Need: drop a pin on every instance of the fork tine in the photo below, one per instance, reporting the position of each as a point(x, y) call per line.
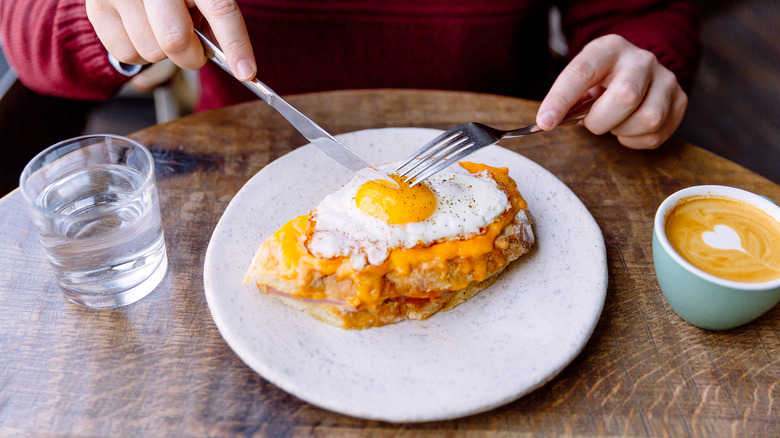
point(445, 163)
point(478, 136)
point(436, 160)
point(453, 143)
point(418, 152)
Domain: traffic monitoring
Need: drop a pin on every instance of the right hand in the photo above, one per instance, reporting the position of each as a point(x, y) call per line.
point(640, 100)
point(147, 31)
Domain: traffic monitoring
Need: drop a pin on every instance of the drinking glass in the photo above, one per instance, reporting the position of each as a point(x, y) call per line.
point(94, 203)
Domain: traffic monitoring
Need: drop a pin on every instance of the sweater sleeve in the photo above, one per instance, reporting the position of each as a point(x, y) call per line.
point(668, 28)
point(55, 51)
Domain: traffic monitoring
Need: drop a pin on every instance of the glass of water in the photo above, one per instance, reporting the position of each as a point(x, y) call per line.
point(94, 203)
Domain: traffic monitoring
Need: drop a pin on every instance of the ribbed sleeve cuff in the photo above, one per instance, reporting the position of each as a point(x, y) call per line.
point(88, 73)
point(55, 51)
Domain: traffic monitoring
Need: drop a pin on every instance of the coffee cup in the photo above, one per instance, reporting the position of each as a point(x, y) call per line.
point(716, 252)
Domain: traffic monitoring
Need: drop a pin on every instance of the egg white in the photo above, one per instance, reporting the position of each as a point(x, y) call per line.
point(465, 203)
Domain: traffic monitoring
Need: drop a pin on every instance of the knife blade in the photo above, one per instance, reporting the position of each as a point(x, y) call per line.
point(319, 137)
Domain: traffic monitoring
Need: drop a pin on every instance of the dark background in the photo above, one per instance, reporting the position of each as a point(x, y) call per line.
point(733, 109)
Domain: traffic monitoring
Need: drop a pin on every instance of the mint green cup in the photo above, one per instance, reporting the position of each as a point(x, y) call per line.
point(697, 297)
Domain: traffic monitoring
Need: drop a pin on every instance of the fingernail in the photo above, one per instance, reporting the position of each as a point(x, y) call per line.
point(547, 119)
point(244, 70)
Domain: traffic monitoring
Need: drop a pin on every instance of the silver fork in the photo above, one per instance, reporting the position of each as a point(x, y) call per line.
point(462, 140)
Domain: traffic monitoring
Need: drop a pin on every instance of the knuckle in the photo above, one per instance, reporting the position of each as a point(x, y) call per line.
point(583, 71)
point(645, 59)
point(173, 40)
point(665, 76)
point(222, 7)
point(628, 95)
point(652, 118)
point(233, 45)
point(611, 42)
point(650, 141)
point(654, 141)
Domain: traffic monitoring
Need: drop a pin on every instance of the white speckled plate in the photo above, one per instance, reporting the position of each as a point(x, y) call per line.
point(507, 341)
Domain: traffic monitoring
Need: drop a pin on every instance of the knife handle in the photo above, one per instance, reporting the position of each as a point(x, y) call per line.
point(214, 53)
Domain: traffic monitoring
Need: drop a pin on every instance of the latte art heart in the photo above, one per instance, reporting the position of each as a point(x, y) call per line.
point(727, 238)
point(723, 238)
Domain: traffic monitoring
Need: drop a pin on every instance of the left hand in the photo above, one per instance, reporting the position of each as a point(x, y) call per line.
point(148, 31)
point(641, 102)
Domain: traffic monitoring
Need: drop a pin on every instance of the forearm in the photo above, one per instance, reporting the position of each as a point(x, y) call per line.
point(55, 51)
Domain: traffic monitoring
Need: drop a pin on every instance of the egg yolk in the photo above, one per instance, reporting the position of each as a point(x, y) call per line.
point(393, 205)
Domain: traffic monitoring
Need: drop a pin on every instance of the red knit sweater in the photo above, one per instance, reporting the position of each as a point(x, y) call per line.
point(497, 46)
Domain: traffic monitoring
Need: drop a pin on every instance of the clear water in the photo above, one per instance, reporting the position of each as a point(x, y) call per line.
point(102, 235)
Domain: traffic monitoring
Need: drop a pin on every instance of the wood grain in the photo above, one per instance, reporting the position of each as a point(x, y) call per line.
point(161, 368)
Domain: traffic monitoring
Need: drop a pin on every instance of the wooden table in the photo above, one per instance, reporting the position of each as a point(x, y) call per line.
point(161, 368)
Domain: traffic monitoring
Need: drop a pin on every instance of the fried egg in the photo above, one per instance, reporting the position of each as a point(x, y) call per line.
point(365, 220)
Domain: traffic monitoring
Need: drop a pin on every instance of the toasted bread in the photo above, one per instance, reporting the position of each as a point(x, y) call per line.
point(335, 293)
point(515, 240)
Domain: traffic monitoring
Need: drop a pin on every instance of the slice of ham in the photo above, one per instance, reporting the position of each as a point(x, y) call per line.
point(330, 301)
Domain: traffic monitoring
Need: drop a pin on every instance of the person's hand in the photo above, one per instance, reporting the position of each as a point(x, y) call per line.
point(147, 31)
point(641, 102)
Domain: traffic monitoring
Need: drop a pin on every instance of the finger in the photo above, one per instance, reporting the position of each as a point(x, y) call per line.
point(154, 76)
point(654, 139)
point(111, 32)
point(623, 95)
point(173, 29)
point(138, 29)
point(586, 70)
point(655, 109)
point(229, 29)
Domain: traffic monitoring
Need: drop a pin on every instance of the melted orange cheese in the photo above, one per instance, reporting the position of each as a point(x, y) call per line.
point(285, 254)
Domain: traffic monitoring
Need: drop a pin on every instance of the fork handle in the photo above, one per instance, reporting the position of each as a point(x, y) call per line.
point(575, 114)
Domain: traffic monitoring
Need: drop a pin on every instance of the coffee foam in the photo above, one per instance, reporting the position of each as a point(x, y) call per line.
point(726, 238)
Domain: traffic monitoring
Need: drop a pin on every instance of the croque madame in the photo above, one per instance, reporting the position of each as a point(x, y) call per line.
point(371, 254)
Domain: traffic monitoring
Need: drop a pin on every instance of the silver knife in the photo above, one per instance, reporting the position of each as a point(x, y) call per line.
point(312, 131)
